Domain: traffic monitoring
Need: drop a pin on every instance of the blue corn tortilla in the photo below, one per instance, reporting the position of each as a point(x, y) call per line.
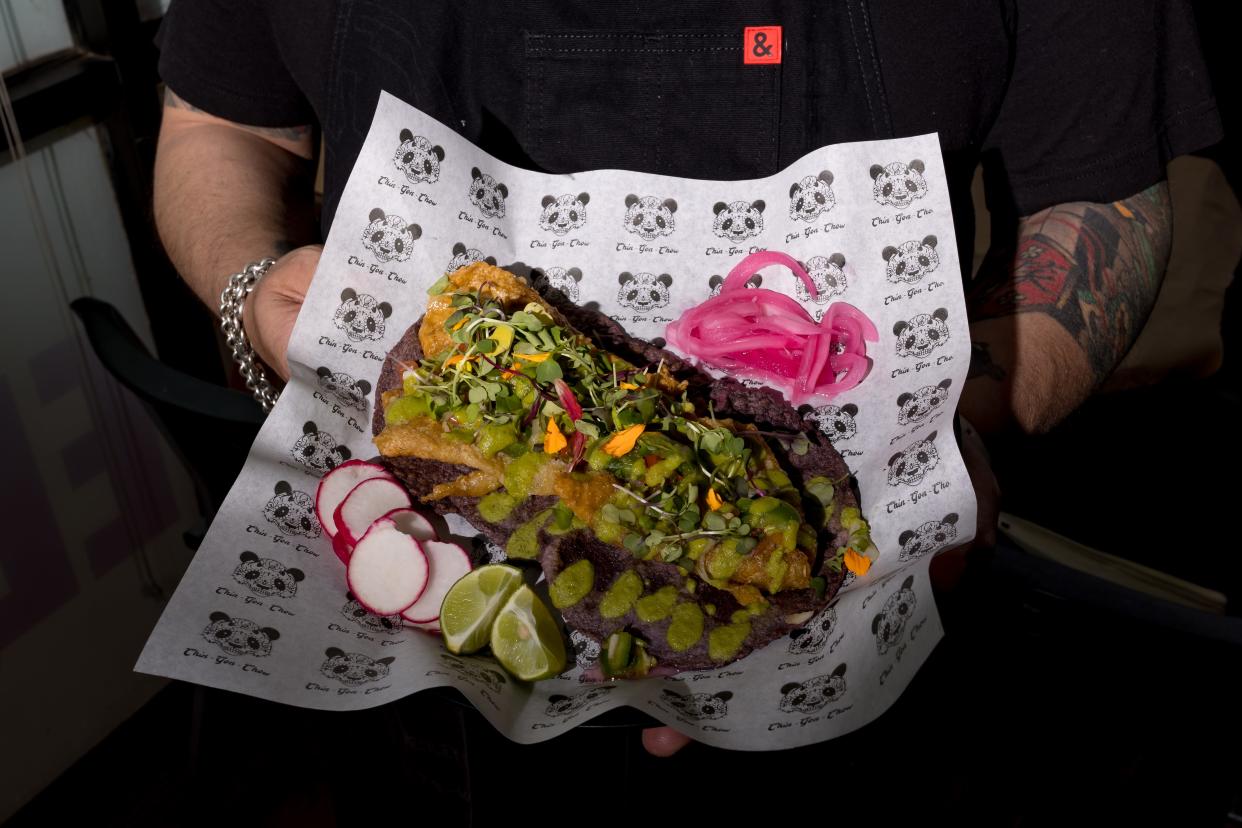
point(764, 407)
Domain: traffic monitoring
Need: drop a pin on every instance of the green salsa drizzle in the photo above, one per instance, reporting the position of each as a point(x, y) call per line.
point(693, 491)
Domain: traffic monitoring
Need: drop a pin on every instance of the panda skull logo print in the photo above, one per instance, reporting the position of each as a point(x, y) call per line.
point(698, 706)
point(240, 636)
point(715, 282)
point(464, 256)
point(487, 194)
point(738, 220)
point(418, 158)
point(559, 705)
point(836, 421)
point(292, 512)
point(916, 407)
point(931, 536)
point(564, 279)
point(898, 184)
point(890, 622)
point(913, 464)
point(827, 274)
point(586, 650)
point(911, 260)
point(318, 450)
point(811, 197)
point(644, 292)
point(814, 694)
point(922, 333)
point(390, 238)
point(564, 213)
point(813, 636)
point(267, 576)
point(649, 217)
point(344, 388)
point(353, 669)
point(360, 615)
point(361, 316)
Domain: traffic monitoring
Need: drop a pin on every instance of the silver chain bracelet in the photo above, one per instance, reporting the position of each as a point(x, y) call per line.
point(232, 300)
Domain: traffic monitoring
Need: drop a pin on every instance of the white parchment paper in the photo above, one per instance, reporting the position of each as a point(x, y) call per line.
point(873, 223)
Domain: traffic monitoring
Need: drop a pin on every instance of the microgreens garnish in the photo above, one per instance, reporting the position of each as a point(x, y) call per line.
point(681, 479)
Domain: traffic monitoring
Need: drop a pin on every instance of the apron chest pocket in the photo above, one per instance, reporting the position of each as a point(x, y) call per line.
point(679, 104)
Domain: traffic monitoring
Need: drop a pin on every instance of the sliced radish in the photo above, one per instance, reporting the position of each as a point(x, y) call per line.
point(449, 563)
point(367, 502)
point(337, 484)
point(408, 521)
point(430, 627)
point(412, 523)
point(388, 569)
point(342, 548)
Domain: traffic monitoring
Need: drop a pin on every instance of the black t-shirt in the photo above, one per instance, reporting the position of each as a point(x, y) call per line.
point(1065, 100)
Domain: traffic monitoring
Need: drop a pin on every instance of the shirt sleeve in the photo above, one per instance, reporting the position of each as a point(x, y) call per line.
point(1101, 96)
point(221, 56)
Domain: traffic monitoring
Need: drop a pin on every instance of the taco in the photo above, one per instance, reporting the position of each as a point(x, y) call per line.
point(681, 520)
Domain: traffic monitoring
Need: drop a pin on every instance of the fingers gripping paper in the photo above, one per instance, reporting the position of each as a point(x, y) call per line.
point(264, 608)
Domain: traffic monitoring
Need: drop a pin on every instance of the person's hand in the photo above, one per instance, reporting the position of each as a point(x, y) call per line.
point(664, 741)
point(948, 566)
point(273, 306)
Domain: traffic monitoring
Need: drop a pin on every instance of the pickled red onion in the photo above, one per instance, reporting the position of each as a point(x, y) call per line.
point(767, 336)
point(755, 262)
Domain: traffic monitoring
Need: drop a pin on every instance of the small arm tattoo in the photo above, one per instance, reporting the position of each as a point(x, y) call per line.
point(293, 134)
point(1094, 268)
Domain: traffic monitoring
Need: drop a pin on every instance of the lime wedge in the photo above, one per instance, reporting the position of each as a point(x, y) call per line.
point(525, 638)
point(471, 605)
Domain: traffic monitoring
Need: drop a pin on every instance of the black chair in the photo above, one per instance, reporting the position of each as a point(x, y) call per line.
point(210, 427)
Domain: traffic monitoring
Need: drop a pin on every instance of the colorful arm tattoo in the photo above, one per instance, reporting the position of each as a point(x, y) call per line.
point(1094, 268)
point(294, 134)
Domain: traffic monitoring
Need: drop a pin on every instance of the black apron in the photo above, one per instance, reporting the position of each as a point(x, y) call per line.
point(658, 87)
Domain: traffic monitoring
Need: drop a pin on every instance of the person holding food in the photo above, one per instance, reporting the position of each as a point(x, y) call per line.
point(1073, 109)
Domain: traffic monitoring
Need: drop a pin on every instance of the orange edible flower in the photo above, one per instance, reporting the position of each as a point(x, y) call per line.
point(623, 441)
point(629, 386)
point(456, 358)
point(539, 357)
point(713, 500)
point(553, 439)
point(856, 563)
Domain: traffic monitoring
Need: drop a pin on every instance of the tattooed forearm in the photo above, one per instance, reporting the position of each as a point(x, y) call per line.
point(1093, 268)
point(1053, 314)
point(294, 134)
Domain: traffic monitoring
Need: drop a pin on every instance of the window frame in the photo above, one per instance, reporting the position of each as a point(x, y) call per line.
point(109, 81)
